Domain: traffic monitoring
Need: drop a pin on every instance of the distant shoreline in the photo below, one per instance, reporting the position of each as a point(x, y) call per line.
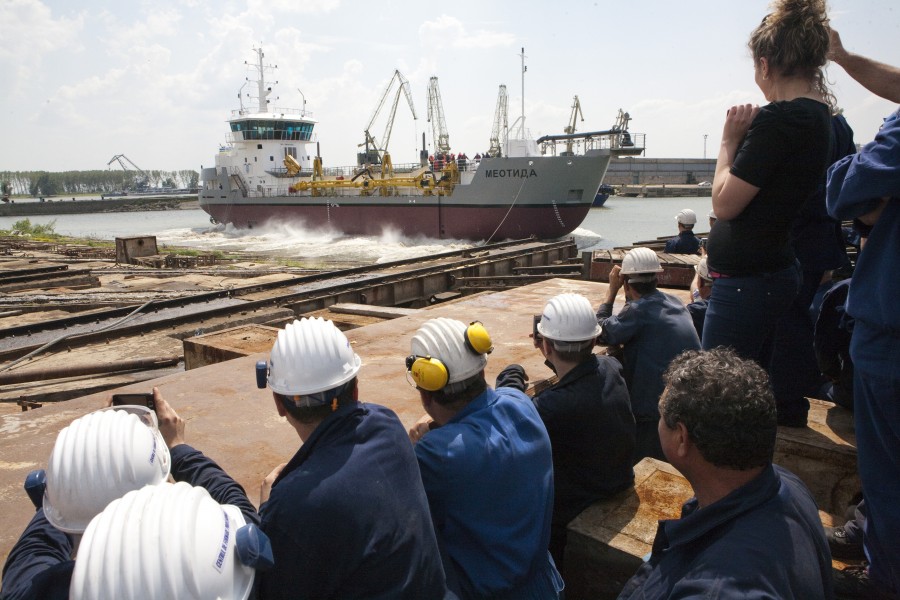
point(75, 205)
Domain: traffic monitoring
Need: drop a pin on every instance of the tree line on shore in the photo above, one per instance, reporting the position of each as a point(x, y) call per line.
point(45, 183)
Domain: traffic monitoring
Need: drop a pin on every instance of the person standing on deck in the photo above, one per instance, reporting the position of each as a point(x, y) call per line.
point(866, 186)
point(818, 242)
point(770, 161)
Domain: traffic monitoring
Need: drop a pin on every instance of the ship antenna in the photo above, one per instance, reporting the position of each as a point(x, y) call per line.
point(524, 68)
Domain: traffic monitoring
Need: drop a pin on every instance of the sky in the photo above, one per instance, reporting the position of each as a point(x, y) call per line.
point(157, 80)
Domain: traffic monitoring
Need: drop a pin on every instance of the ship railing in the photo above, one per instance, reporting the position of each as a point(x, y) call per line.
point(331, 192)
point(469, 164)
point(275, 111)
point(621, 143)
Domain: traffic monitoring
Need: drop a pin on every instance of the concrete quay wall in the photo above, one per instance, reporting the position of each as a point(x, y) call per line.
point(636, 171)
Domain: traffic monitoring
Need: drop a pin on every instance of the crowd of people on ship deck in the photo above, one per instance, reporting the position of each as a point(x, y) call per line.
point(474, 500)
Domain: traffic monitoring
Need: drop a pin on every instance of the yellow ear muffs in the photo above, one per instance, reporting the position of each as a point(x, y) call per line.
point(428, 373)
point(478, 340)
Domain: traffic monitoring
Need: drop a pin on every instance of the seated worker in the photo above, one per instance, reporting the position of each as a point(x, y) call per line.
point(486, 464)
point(752, 529)
point(701, 288)
point(347, 515)
point(587, 413)
point(685, 242)
point(653, 328)
point(74, 495)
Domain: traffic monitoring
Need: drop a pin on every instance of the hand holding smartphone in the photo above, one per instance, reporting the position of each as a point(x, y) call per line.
point(134, 400)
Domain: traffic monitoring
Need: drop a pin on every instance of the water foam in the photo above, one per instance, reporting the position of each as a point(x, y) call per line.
point(321, 246)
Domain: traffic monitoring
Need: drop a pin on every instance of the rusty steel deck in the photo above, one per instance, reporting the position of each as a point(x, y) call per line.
point(235, 423)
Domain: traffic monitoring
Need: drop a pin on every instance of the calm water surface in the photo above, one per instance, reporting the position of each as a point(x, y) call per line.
point(620, 222)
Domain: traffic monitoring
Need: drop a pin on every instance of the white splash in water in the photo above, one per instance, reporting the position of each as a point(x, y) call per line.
point(290, 240)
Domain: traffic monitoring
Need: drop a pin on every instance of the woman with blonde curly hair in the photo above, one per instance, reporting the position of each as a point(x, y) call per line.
point(770, 161)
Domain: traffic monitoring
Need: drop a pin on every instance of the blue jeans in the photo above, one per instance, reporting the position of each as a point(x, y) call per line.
point(876, 401)
point(793, 369)
point(744, 312)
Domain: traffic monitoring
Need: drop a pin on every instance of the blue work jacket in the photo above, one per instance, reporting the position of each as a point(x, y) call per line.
point(763, 540)
point(654, 329)
point(488, 474)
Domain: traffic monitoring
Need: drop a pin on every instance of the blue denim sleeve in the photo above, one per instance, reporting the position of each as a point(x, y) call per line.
point(620, 328)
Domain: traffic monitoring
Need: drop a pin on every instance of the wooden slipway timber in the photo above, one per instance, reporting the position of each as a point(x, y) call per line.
point(124, 321)
point(678, 269)
point(236, 424)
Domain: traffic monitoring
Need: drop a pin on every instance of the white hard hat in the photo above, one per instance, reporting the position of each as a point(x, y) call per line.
point(569, 318)
point(166, 541)
point(100, 457)
point(703, 270)
point(640, 261)
point(310, 356)
point(686, 217)
point(712, 214)
point(445, 340)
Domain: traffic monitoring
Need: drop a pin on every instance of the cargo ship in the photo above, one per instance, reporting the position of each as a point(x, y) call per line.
point(270, 170)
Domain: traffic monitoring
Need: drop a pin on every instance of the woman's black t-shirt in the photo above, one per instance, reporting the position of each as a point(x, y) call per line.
point(785, 154)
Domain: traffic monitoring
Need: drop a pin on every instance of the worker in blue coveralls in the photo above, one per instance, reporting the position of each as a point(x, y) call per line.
point(71, 498)
point(685, 242)
point(587, 413)
point(866, 186)
point(752, 529)
point(653, 328)
point(486, 464)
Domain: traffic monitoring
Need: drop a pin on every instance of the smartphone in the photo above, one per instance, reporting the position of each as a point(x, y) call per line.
point(534, 328)
point(134, 399)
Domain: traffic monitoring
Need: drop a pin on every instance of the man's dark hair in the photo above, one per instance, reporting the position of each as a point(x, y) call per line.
point(725, 403)
point(573, 356)
point(642, 287)
point(462, 392)
point(314, 414)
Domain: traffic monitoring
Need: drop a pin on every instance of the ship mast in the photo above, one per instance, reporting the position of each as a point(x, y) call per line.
point(518, 127)
point(262, 91)
point(524, 68)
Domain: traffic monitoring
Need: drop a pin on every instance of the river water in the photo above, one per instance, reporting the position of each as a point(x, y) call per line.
point(620, 222)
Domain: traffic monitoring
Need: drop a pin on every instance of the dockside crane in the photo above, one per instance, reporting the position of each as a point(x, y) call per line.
point(501, 121)
point(374, 153)
point(440, 137)
point(573, 120)
point(140, 181)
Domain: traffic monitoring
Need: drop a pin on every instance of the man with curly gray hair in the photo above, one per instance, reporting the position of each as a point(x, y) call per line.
point(752, 528)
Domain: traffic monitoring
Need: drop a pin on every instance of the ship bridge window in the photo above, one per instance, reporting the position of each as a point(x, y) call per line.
point(264, 129)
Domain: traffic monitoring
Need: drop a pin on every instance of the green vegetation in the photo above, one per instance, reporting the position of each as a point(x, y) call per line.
point(25, 227)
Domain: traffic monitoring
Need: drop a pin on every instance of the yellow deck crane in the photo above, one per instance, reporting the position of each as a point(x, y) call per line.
point(375, 154)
